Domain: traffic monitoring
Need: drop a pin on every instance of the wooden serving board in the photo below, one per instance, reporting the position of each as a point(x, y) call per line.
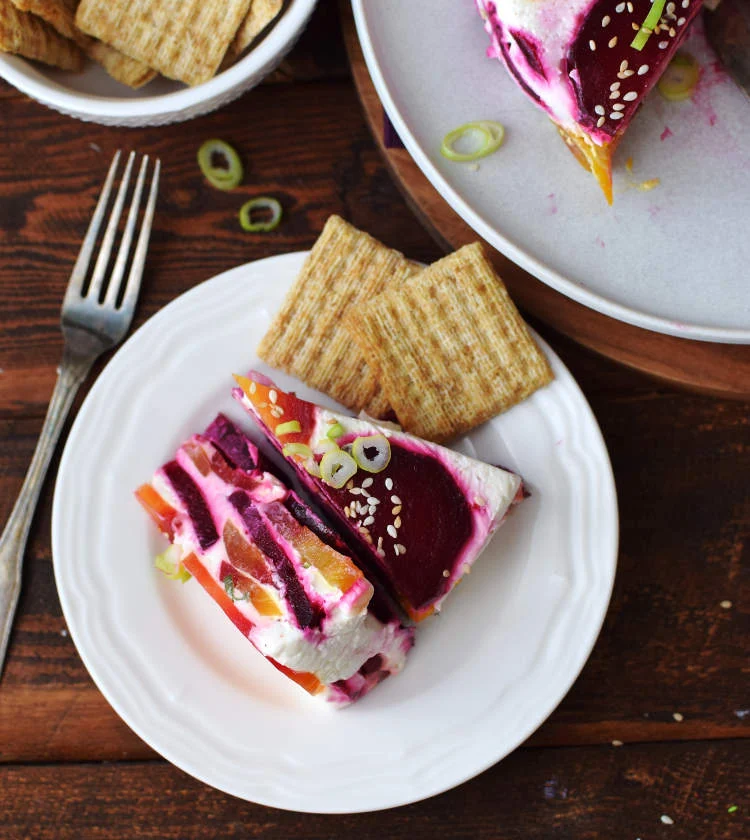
point(717, 369)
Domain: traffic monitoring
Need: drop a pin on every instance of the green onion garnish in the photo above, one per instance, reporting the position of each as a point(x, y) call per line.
point(647, 27)
point(482, 138)
point(259, 215)
point(335, 431)
point(731, 809)
point(220, 164)
point(296, 449)
point(229, 589)
point(288, 428)
point(169, 563)
point(680, 78)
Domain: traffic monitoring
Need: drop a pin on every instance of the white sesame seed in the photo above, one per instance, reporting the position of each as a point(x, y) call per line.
point(618, 106)
point(349, 484)
point(397, 522)
point(616, 743)
point(678, 717)
point(663, 45)
point(396, 510)
point(367, 482)
point(396, 500)
point(253, 388)
point(635, 26)
point(592, 46)
point(392, 532)
point(355, 491)
point(380, 552)
point(272, 396)
point(670, 8)
point(612, 42)
point(371, 500)
point(397, 549)
point(467, 569)
point(605, 21)
point(389, 484)
point(630, 96)
point(630, 8)
point(372, 510)
point(626, 74)
point(680, 21)
point(667, 820)
point(726, 605)
point(401, 548)
point(615, 94)
point(369, 520)
point(600, 122)
point(614, 86)
point(616, 115)
point(446, 573)
point(599, 110)
point(623, 65)
point(643, 69)
point(620, 7)
point(685, 4)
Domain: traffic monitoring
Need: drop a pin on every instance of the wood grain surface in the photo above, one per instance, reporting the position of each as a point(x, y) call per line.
point(718, 369)
point(70, 768)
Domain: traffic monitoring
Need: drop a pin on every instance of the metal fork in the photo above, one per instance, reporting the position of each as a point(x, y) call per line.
point(95, 317)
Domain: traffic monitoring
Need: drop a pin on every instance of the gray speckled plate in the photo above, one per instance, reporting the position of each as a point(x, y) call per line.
point(674, 259)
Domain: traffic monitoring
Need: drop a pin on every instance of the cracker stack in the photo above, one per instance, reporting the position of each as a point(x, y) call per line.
point(444, 347)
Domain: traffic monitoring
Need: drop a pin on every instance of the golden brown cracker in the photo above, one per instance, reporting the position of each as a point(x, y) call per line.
point(29, 36)
point(451, 347)
point(183, 39)
point(124, 69)
point(345, 268)
point(260, 14)
point(58, 13)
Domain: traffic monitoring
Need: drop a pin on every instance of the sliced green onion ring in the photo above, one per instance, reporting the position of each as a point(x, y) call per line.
point(229, 589)
point(296, 449)
point(372, 453)
point(289, 428)
point(337, 467)
point(259, 215)
point(169, 563)
point(491, 136)
point(647, 27)
point(680, 78)
point(226, 176)
point(335, 431)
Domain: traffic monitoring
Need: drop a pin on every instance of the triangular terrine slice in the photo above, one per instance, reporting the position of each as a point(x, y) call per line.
point(418, 513)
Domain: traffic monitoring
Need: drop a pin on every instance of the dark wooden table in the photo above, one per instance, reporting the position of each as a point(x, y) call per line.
point(669, 675)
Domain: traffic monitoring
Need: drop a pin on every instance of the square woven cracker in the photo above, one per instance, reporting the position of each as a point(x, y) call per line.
point(183, 39)
point(61, 15)
point(345, 268)
point(451, 347)
point(31, 37)
point(260, 14)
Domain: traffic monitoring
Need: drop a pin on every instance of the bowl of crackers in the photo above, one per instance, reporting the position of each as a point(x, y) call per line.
point(144, 62)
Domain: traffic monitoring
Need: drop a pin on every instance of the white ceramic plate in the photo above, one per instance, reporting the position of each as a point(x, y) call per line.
point(673, 260)
point(482, 676)
point(94, 96)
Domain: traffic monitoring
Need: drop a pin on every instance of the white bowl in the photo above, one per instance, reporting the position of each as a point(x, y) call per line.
point(95, 97)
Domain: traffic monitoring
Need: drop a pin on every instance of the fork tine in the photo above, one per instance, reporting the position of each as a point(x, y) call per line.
point(105, 251)
point(115, 279)
point(136, 269)
point(78, 275)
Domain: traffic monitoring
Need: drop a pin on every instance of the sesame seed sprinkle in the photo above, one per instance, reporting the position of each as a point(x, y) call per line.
point(253, 388)
point(367, 482)
point(620, 7)
point(612, 42)
point(616, 743)
point(592, 45)
point(685, 4)
point(678, 717)
point(369, 520)
point(635, 26)
point(643, 69)
point(389, 484)
point(401, 548)
point(615, 94)
point(380, 542)
point(616, 115)
point(614, 86)
point(663, 45)
point(396, 500)
point(272, 396)
point(605, 21)
point(397, 522)
point(392, 532)
point(667, 820)
point(680, 21)
point(726, 605)
point(670, 8)
point(355, 491)
point(630, 96)
point(600, 122)
point(599, 110)
point(396, 510)
point(446, 573)
point(623, 65)
point(618, 106)
point(630, 8)
point(626, 74)
point(396, 549)
point(372, 510)
point(371, 500)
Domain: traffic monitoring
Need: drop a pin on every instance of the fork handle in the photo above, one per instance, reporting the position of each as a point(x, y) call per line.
point(70, 375)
